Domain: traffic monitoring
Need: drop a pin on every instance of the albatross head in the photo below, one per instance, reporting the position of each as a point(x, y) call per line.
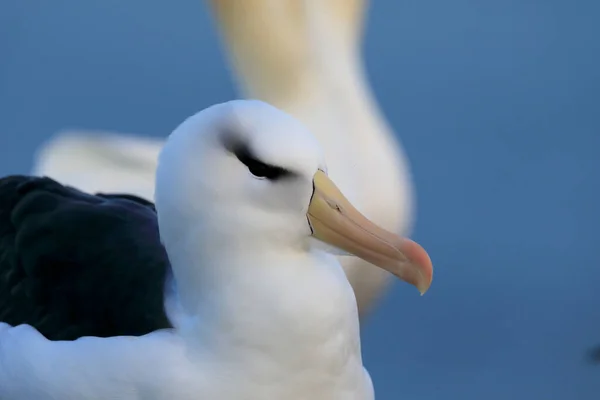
point(244, 173)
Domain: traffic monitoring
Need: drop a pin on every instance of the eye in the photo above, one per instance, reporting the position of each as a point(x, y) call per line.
point(259, 168)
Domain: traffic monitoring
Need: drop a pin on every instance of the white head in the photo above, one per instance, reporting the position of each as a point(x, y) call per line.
point(244, 175)
point(242, 170)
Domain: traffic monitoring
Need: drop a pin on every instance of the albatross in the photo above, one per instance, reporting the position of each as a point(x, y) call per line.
point(303, 57)
point(247, 219)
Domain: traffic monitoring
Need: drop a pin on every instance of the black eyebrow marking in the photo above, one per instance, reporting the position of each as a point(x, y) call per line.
point(258, 168)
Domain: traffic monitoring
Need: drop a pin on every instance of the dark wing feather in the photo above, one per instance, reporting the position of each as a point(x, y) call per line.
point(74, 264)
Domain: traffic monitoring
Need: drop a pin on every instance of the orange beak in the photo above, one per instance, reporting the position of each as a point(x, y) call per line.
point(335, 221)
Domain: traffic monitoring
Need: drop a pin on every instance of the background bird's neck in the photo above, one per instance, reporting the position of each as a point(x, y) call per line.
point(289, 50)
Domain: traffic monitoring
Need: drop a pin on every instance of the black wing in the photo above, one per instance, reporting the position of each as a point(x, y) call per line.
point(74, 264)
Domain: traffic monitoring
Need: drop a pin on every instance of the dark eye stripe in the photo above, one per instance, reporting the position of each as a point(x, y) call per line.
point(254, 165)
point(259, 168)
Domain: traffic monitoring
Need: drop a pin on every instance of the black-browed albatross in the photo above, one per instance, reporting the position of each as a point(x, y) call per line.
point(241, 195)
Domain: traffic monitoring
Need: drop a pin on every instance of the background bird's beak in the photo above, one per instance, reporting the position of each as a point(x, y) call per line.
point(335, 221)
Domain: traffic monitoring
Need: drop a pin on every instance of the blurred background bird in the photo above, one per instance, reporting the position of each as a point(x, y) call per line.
point(496, 109)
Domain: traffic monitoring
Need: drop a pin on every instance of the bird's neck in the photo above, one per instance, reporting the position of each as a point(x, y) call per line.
point(283, 303)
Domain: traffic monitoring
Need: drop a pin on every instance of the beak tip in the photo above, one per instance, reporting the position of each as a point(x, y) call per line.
point(422, 264)
point(423, 288)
